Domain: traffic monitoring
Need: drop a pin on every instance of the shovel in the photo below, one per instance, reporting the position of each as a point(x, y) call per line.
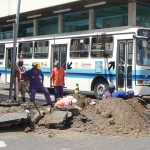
point(33, 102)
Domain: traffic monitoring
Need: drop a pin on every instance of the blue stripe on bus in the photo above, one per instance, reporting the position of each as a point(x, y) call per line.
point(89, 73)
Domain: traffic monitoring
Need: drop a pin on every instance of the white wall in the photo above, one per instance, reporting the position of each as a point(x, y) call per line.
point(9, 7)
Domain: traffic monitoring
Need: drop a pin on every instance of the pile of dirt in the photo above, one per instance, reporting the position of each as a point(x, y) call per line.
point(114, 117)
point(83, 101)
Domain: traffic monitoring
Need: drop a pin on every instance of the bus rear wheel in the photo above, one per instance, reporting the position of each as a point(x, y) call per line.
point(99, 89)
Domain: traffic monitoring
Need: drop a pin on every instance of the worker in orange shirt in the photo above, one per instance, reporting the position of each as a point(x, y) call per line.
point(57, 80)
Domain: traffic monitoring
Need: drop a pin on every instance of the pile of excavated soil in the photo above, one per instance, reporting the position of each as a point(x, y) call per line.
point(114, 117)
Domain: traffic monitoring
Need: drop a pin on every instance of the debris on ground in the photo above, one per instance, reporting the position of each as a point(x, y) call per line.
point(9, 103)
point(114, 117)
point(13, 118)
point(106, 117)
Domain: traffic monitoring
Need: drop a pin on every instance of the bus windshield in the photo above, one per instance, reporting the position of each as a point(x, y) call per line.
point(143, 52)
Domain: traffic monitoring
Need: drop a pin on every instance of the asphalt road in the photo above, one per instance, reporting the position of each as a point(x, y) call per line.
point(4, 95)
point(79, 141)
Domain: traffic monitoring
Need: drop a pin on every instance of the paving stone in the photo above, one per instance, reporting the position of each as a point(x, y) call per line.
point(13, 118)
point(56, 120)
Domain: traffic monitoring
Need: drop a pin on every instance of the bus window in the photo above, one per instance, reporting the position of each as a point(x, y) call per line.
point(122, 53)
point(143, 52)
point(2, 48)
point(41, 49)
point(102, 46)
point(79, 47)
point(130, 53)
point(25, 50)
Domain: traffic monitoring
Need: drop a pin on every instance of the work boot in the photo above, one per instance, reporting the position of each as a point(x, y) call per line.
point(23, 99)
point(51, 104)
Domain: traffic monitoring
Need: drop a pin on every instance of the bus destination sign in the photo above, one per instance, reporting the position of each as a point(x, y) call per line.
point(143, 32)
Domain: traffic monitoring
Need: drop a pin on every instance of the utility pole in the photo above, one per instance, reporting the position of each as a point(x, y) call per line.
point(14, 52)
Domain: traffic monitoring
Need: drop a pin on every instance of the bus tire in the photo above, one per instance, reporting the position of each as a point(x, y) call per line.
point(99, 89)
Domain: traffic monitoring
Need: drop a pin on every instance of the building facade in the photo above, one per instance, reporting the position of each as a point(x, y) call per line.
point(53, 17)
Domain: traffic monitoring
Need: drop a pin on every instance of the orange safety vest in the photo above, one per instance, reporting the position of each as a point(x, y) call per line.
point(21, 71)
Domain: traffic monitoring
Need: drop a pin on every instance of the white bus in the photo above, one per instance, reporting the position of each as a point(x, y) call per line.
point(93, 58)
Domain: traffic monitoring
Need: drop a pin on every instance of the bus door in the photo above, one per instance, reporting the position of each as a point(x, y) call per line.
point(59, 53)
point(124, 67)
point(8, 60)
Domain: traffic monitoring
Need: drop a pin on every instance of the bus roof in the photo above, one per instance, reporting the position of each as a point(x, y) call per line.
point(107, 31)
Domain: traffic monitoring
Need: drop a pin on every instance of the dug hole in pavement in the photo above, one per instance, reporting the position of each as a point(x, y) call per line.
point(107, 117)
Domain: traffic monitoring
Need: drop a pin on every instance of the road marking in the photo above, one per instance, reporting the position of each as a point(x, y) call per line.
point(2, 144)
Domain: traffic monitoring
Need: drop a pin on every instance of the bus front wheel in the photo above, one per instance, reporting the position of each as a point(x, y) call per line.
point(99, 89)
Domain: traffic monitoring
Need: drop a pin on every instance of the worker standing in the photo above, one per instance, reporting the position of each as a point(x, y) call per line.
point(57, 80)
point(19, 84)
point(36, 78)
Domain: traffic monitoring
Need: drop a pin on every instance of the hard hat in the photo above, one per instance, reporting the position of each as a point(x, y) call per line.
point(57, 63)
point(38, 65)
point(131, 93)
point(74, 101)
point(34, 64)
point(111, 86)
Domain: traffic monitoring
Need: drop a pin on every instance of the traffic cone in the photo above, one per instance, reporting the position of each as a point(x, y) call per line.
point(119, 88)
point(77, 89)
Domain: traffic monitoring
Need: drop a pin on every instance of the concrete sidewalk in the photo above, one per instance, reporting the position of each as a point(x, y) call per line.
point(4, 86)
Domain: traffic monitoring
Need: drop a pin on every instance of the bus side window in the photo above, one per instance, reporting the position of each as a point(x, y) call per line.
point(2, 49)
point(41, 49)
point(25, 50)
point(102, 46)
point(86, 44)
point(79, 47)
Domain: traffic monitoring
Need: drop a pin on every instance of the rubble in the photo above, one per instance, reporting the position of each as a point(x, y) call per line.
point(56, 120)
point(9, 103)
point(107, 117)
point(13, 118)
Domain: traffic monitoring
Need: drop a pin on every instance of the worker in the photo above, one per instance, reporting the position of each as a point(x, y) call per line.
point(108, 93)
point(57, 80)
point(122, 94)
point(36, 78)
point(19, 83)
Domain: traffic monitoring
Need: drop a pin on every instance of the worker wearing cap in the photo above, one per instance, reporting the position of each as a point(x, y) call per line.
point(57, 80)
point(36, 78)
point(108, 93)
point(122, 94)
point(19, 80)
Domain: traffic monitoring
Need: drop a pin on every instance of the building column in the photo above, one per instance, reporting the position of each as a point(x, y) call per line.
point(131, 14)
point(91, 19)
point(60, 23)
point(35, 27)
